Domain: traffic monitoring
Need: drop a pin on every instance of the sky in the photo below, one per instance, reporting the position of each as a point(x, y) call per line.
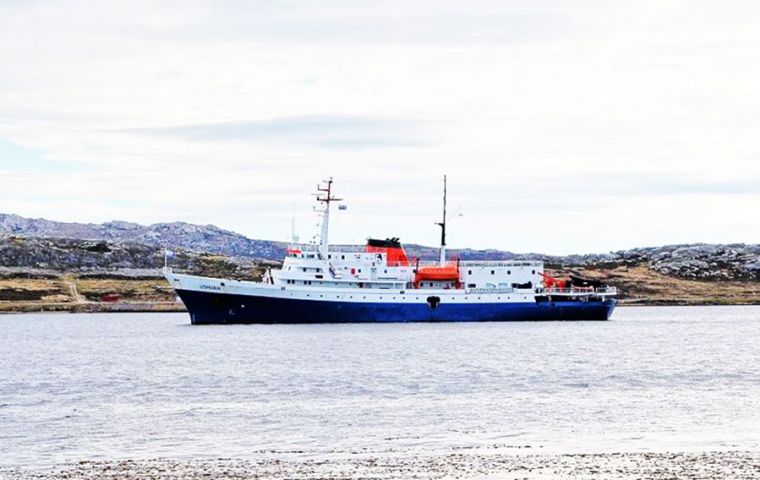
point(563, 126)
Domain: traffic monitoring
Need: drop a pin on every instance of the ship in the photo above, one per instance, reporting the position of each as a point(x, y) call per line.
point(378, 282)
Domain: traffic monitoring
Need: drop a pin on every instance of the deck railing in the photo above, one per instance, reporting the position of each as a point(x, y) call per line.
point(580, 290)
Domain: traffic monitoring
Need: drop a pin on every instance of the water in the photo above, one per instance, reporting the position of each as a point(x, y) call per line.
point(146, 385)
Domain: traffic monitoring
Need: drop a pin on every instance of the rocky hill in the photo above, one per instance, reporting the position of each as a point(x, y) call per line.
point(738, 262)
point(82, 267)
point(38, 256)
point(175, 235)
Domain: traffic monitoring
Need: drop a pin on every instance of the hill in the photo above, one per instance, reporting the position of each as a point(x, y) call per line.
point(116, 265)
point(175, 235)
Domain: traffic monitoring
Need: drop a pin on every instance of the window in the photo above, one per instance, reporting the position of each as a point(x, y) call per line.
point(493, 272)
point(342, 257)
point(471, 285)
point(534, 272)
point(509, 272)
point(469, 272)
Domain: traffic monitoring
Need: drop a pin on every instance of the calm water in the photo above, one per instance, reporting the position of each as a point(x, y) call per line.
point(147, 385)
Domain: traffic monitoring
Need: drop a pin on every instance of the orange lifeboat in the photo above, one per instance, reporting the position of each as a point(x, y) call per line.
point(448, 273)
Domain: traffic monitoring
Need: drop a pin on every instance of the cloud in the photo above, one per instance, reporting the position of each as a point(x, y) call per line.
point(325, 131)
point(563, 126)
point(14, 157)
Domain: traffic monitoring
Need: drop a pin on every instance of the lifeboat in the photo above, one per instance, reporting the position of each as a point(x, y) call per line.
point(448, 273)
point(551, 282)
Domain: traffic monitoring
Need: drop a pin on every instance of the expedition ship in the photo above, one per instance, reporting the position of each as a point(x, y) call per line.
point(377, 282)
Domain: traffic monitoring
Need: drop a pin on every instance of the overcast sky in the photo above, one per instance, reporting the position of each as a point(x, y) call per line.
point(563, 126)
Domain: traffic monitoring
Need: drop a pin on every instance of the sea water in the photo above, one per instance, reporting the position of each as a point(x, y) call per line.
point(110, 386)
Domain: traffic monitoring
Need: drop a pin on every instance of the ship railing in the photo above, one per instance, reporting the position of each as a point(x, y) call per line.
point(490, 290)
point(607, 290)
point(501, 263)
point(580, 291)
point(312, 247)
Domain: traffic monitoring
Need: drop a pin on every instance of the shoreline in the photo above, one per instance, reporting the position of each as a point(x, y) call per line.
point(729, 464)
point(174, 307)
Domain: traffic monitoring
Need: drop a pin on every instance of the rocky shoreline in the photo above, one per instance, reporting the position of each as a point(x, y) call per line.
point(734, 465)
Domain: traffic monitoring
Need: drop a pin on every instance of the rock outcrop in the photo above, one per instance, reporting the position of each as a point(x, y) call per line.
point(698, 261)
point(48, 257)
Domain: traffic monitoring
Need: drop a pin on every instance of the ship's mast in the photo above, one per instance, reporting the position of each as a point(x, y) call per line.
point(324, 195)
point(442, 224)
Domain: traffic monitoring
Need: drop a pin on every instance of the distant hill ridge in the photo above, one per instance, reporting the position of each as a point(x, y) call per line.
point(696, 261)
point(198, 238)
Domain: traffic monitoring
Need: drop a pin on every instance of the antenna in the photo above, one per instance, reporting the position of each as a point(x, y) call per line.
point(324, 195)
point(442, 224)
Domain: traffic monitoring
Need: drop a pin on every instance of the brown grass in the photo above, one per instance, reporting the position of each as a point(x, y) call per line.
point(637, 285)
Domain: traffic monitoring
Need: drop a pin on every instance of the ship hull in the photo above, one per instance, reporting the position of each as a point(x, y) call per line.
point(224, 308)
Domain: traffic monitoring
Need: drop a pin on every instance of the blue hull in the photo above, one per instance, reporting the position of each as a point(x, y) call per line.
point(214, 308)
